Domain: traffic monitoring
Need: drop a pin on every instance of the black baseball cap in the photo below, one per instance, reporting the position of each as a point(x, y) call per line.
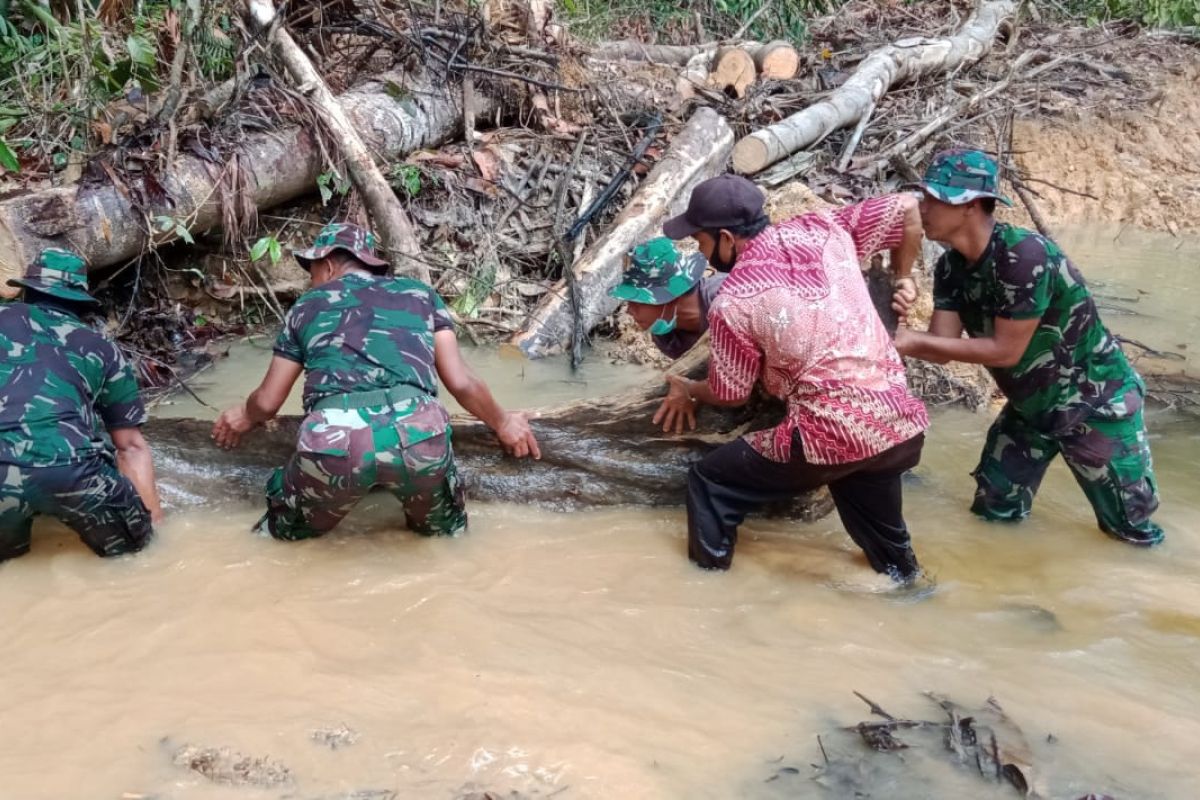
point(726, 201)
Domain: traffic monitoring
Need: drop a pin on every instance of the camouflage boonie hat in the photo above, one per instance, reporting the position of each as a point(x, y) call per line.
point(960, 176)
point(658, 274)
point(358, 242)
point(58, 273)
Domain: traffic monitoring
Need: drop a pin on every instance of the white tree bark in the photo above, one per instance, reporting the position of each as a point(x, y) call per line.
point(904, 60)
point(699, 151)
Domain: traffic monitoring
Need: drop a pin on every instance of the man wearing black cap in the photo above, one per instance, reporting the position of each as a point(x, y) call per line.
point(63, 385)
point(795, 313)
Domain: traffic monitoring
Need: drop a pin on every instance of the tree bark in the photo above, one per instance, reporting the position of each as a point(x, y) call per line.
point(596, 453)
point(102, 224)
point(698, 152)
point(389, 219)
point(676, 55)
point(886, 67)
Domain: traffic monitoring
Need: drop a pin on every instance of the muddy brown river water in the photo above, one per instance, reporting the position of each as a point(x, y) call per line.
point(581, 656)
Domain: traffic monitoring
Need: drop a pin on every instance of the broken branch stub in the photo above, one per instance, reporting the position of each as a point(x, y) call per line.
point(387, 215)
point(904, 60)
point(699, 151)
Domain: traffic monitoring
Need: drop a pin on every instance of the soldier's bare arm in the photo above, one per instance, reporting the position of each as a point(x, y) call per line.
point(262, 404)
point(473, 394)
point(1003, 348)
point(136, 463)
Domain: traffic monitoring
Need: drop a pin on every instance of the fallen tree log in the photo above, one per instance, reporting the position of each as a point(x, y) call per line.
point(601, 452)
point(699, 151)
point(677, 55)
point(395, 114)
point(904, 60)
point(389, 220)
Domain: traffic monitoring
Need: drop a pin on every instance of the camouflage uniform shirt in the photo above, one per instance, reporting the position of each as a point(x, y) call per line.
point(360, 333)
point(60, 383)
point(1072, 365)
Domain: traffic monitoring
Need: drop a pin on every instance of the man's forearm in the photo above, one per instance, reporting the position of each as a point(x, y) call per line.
point(477, 399)
point(702, 392)
point(258, 412)
point(137, 465)
point(940, 349)
point(904, 255)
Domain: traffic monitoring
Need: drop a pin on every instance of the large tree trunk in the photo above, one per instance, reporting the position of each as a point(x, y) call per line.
point(388, 217)
point(886, 67)
point(596, 453)
point(101, 223)
point(700, 151)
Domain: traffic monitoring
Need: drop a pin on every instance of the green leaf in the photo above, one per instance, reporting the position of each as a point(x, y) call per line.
point(164, 223)
point(8, 159)
point(276, 250)
point(141, 51)
point(184, 233)
point(260, 248)
point(396, 91)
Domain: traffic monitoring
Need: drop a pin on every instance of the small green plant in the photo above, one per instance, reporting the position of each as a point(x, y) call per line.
point(330, 182)
point(8, 159)
point(168, 224)
point(267, 246)
point(406, 178)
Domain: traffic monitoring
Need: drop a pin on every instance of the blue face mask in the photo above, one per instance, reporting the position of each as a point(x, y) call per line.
point(662, 327)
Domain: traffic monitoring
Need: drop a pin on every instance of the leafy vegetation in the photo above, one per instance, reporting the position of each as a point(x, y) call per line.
point(1162, 13)
point(668, 20)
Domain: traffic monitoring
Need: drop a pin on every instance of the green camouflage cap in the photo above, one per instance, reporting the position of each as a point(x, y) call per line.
point(658, 273)
point(58, 273)
point(959, 176)
point(358, 242)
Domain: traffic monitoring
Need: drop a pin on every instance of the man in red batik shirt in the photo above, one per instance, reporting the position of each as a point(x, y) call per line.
point(795, 314)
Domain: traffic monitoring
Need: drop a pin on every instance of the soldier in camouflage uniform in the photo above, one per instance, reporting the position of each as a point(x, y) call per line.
point(667, 294)
point(373, 348)
point(62, 386)
point(1032, 321)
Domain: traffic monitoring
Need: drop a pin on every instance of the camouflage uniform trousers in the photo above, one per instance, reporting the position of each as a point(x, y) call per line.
point(1108, 453)
point(90, 497)
point(343, 454)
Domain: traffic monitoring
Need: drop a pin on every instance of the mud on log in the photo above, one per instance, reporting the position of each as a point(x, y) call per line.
point(699, 151)
point(101, 223)
point(904, 60)
point(602, 452)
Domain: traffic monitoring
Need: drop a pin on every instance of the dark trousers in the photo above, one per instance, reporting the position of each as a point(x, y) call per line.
point(734, 480)
point(91, 497)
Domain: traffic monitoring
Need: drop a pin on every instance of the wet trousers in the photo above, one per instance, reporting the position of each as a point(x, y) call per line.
point(342, 455)
point(734, 479)
point(1108, 453)
point(91, 498)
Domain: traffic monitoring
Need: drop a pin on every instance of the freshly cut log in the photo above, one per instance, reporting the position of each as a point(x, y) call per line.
point(102, 224)
point(733, 71)
point(699, 151)
point(389, 220)
point(904, 60)
point(602, 452)
point(777, 61)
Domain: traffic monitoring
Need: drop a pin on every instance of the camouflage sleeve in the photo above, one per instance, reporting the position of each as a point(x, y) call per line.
point(287, 343)
point(876, 224)
point(119, 402)
point(945, 293)
point(735, 361)
point(1024, 273)
point(441, 315)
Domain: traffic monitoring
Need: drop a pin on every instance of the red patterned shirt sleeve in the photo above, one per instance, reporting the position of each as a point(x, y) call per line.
point(875, 224)
point(735, 361)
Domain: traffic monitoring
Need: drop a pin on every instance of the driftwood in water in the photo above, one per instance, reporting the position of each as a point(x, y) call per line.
point(698, 152)
point(101, 223)
point(602, 452)
point(905, 60)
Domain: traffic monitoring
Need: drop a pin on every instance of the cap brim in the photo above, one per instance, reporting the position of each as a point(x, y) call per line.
point(679, 228)
point(936, 191)
point(61, 292)
point(305, 257)
point(632, 294)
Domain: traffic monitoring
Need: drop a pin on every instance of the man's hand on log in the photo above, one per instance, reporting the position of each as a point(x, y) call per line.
point(231, 426)
point(517, 437)
point(677, 408)
point(904, 294)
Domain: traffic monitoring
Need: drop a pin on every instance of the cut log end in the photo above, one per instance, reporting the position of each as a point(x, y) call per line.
point(733, 71)
point(750, 155)
point(777, 61)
